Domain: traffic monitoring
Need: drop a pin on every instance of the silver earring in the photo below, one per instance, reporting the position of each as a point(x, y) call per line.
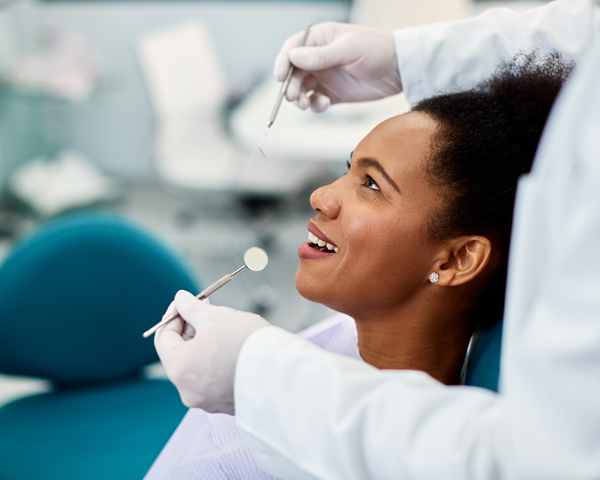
point(434, 277)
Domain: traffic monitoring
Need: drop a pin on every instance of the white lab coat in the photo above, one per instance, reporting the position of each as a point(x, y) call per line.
point(308, 414)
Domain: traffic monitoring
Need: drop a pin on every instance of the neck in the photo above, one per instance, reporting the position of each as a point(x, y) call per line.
point(415, 339)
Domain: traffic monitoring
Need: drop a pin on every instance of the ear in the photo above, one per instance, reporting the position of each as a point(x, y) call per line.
point(465, 258)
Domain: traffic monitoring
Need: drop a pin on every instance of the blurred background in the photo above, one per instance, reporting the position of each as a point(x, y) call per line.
point(154, 110)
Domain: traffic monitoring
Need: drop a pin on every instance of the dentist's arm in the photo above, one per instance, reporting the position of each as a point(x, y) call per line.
point(350, 63)
point(308, 414)
point(437, 57)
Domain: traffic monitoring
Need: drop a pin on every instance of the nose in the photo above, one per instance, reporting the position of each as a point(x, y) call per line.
point(326, 200)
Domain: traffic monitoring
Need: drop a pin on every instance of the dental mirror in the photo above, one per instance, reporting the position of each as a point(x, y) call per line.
point(255, 259)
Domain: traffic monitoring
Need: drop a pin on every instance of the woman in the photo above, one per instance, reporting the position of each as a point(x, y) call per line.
point(411, 244)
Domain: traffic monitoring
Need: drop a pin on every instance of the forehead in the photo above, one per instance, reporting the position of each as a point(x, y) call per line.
point(401, 135)
point(401, 144)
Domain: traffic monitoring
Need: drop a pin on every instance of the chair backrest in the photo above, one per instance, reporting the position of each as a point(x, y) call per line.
point(483, 368)
point(77, 294)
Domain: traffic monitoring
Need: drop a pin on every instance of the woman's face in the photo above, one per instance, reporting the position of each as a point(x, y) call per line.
point(375, 221)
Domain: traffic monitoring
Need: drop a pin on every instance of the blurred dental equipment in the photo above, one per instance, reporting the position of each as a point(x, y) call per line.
point(64, 181)
point(64, 65)
point(183, 72)
point(255, 259)
point(282, 92)
point(188, 89)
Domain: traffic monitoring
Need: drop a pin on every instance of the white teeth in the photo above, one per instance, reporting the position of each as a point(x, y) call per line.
point(321, 243)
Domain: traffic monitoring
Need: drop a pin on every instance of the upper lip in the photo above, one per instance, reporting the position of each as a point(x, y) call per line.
point(312, 228)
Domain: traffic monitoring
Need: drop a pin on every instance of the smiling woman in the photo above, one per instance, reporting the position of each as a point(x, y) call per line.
point(411, 244)
point(422, 220)
point(377, 216)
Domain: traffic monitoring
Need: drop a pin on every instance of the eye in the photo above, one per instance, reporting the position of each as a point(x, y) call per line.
point(370, 183)
point(348, 164)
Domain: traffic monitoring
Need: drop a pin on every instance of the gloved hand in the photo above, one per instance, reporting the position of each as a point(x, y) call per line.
point(200, 354)
point(339, 63)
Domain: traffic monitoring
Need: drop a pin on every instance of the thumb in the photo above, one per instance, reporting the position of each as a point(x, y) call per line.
point(190, 308)
point(319, 58)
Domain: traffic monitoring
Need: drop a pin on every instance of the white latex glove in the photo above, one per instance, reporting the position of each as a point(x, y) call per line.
point(200, 354)
point(339, 63)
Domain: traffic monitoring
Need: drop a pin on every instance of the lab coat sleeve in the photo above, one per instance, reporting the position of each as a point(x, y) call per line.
point(439, 57)
point(308, 414)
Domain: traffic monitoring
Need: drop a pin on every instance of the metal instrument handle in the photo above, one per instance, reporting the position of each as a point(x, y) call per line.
point(201, 296)
point(286, 82)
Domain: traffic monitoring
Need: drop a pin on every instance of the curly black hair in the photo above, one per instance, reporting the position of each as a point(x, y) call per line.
point(486, 139)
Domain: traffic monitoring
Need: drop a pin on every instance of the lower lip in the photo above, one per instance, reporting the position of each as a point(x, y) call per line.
point(306, 252)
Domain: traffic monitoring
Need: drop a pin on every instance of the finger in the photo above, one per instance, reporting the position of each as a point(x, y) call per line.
point(191, 309)
point(319, 102)
point(170, 311)
point(175, 325)
point(295, 86)
point(168, 337)
point(189, 331)
point(303, 101)
point(299, 105)
point(321, 57)
point(282, 62)
point(310, 83)
point(308, 86)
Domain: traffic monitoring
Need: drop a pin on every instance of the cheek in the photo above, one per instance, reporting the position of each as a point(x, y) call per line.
point(383, 261)
point(391, 251)
point(359, 232)
point(379, 240)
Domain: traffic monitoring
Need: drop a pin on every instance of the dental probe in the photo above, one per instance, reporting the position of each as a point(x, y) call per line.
point(282, 92)
point(255, 259)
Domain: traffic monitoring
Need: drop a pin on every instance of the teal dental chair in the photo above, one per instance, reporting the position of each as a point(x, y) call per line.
point(483, 368)
point(75, 298)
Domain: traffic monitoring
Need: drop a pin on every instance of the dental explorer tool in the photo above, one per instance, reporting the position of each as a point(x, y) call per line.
point(282, 92)
point(255, 259)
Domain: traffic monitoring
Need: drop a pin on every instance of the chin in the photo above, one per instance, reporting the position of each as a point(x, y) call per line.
point(311, 290)
point(307, 288)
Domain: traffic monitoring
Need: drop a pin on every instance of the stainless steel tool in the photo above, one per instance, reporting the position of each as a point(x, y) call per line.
point(255, 259)
point(282, 92)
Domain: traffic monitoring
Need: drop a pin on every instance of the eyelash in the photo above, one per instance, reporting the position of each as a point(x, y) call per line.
point(368, 178)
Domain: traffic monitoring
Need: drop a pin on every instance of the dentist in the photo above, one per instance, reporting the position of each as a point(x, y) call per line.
point(308, 414)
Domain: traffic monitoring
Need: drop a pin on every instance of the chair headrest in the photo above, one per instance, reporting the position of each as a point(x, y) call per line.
point(483, 367)
point(77, 294)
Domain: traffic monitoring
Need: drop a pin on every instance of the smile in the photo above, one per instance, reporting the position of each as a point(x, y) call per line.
point(322, 245)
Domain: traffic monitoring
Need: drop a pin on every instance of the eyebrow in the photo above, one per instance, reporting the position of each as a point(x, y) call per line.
point(371, 162)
